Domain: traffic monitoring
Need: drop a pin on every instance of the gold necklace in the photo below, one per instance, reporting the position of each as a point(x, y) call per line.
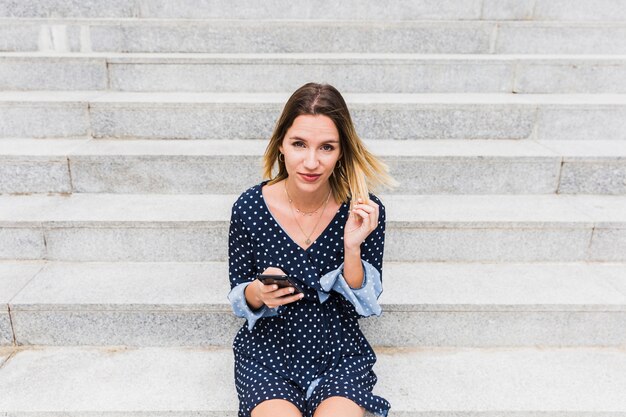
point(306, 213)
point(308, 238)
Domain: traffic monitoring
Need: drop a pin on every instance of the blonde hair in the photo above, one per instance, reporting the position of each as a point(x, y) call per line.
point(360, 170)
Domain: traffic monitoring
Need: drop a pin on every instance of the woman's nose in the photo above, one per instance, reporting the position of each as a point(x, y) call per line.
point(310, 161)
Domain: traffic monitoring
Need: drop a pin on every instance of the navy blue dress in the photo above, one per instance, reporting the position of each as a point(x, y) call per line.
point(312, 348)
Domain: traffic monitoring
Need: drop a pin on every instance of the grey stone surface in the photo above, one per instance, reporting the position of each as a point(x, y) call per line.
point(604, 10)
point(18, 37)
point(72, 8)
point(455, 227)
point(492, 329)
point(13, 277)
point(34, 175)
point(129, 328)
point(570, 76)
point(189, 121)
point(26, 119)
point(582, 176)
point(347, 75)
point(126, 286)
point(450, 304)
point(166, 174)
point(237, 121)
point(609, 244)
point(220, 166)
point(307, 36)
point(113, 380)
point(253, 115)
point(508, 9)
point(350, 73)
point(275, 9)
point(322, 10)
point(560, 38)
point(21, 242)
point(487, 244)
point(239, 36)
point(572, 122)
point(452, 382)
point(191, 241)
point(6, 332)
point(54, 73)
point(578, 10)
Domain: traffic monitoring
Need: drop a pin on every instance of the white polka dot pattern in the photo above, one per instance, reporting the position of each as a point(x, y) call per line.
point(313, 348)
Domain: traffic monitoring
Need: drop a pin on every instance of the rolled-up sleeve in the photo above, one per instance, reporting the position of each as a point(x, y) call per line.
point(241, 308)
point(364, 299)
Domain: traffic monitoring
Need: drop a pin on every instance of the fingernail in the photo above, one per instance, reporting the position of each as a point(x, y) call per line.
point(275, 287)
point(290, 289)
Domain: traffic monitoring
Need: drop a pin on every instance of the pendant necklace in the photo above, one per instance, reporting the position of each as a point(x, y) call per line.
point(308, 238)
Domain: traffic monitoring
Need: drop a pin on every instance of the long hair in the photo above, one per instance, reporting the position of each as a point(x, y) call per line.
point(359, 170)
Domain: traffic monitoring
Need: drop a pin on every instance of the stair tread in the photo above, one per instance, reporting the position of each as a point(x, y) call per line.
point(187, 380)
point(408, 286)
point(579, 210)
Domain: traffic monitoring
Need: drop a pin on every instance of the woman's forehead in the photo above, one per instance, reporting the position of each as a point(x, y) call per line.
point(314, 127)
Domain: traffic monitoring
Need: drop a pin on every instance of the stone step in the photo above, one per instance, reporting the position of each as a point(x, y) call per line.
point(194, 227)
point(313, 36)
point(188, 115)
point(466, 382)
point(349, 73)
point(424, 304)
point(581, 10)
point(220, 166)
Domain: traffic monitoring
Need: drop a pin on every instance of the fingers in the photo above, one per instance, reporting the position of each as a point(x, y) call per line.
point(274, 296)
point(273, 270)
point(369, 213)
point(277, 301)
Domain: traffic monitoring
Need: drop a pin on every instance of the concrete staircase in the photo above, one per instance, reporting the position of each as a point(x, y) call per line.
point(128, 128)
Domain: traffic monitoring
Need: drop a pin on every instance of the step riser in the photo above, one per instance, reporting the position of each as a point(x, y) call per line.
point(438, 242)
point(256, 121)
point(222, 36)
point(223, 174)
point(349, 76)
point(393, 328)
point(351, 9)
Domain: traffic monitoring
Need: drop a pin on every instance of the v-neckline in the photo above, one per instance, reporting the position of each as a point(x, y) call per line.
point(269, 212)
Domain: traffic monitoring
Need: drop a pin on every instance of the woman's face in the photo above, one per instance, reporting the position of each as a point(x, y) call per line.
point(311, 146)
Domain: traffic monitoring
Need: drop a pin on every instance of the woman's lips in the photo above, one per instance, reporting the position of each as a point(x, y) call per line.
point(310, 178)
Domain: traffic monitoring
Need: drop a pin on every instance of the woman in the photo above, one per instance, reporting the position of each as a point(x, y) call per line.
point(303, 354)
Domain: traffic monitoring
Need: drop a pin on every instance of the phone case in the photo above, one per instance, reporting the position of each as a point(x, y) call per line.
point(280, 280)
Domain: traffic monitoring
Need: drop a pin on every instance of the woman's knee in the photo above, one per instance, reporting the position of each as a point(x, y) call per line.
point(276, 407)
point(339, 406)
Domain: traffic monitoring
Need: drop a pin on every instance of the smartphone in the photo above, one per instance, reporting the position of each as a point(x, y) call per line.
point(280, 280)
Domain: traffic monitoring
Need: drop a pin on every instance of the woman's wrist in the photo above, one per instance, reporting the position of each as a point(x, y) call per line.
point(251, 295)
point(352, 250)
point(352, 267)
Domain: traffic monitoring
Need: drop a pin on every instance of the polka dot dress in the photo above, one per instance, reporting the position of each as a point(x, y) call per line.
point(307, 350)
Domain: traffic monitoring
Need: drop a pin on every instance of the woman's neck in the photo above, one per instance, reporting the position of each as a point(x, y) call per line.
point(307, 200)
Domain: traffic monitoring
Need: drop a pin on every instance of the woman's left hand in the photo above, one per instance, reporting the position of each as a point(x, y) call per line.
point(362, 221)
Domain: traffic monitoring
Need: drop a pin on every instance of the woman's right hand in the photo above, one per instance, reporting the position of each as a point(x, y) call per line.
point(273, 296)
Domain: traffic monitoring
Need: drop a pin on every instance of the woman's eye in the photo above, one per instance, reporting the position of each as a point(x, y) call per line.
point(297, 143)
point(330, 148)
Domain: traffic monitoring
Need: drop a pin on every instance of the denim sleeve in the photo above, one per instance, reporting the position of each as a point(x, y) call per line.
point(364, 299)
point(241, 308)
